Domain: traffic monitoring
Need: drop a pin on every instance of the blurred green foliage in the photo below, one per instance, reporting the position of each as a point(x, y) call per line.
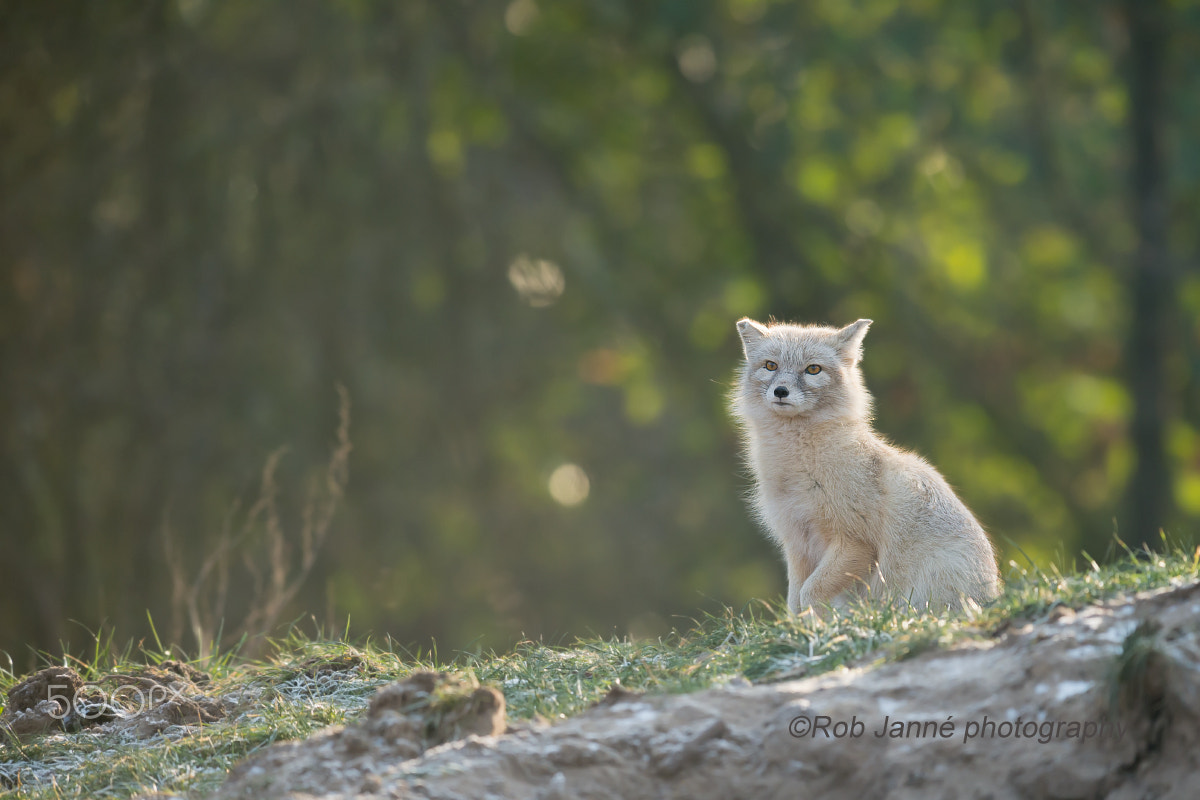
point(519, 233)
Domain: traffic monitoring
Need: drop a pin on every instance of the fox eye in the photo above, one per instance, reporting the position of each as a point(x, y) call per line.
point(813, 369)
point(771, 366)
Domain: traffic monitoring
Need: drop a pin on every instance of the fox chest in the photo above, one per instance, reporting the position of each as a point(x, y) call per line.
point(812, 504)
point(798, 503)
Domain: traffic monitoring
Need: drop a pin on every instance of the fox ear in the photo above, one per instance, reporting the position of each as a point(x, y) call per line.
point(751, 332)
point(850, 339)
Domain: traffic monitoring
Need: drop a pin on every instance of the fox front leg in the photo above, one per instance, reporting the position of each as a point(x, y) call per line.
point(799, 568)
point(845, 562)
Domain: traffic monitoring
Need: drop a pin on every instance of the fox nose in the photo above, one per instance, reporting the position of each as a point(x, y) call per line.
point(781, 391)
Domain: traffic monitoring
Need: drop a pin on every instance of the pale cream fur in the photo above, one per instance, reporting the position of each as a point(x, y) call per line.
point(850, 512)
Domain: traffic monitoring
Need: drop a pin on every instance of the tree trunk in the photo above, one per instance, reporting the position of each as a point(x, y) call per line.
point(1150, 283)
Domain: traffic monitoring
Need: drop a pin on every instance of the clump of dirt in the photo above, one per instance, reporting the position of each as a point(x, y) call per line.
point(403, 720)
point(1103, 702)
point(319, 665)
point(448, 707)
point(40, 703)
point(139, 703)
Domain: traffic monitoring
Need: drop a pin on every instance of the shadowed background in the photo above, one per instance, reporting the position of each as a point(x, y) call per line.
point(518, 235)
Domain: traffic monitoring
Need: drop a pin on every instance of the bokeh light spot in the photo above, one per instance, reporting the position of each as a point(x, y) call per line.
point(569, 485)
point(539, 282)
point(520, 16)
point(697, 61)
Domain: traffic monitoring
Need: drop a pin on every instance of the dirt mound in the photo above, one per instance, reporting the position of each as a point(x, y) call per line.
point(404, 719)
point(140, 703)
point(1104, 702)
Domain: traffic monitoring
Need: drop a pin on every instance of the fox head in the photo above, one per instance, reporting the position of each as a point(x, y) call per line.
point(801, 372)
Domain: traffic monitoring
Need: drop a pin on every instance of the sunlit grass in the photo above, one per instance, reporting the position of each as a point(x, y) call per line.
point(311, 683)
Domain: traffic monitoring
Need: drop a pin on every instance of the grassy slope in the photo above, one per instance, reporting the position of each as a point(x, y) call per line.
point(286, 698)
